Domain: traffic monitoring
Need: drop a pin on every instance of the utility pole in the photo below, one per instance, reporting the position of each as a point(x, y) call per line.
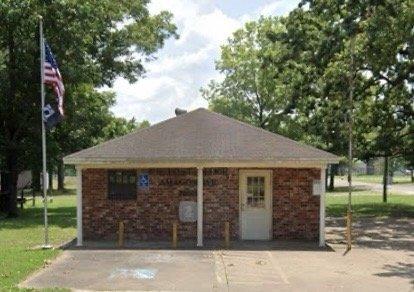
point(350, 145)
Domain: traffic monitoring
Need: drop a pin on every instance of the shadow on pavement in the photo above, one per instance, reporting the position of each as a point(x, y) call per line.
point(380, 233)
point(400, 269)
point(208, 245)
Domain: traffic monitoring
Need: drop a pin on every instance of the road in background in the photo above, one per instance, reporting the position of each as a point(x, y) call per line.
point(401, 188)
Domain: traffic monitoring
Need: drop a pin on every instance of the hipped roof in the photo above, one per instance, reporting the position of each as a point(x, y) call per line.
point(200, 136)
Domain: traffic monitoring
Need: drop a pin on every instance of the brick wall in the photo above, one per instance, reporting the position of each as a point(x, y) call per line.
point(295, 209)
point(151, 214)
point(221, 202)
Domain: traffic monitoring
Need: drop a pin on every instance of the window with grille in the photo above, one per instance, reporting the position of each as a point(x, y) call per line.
point(122, 184)
point(256, 191)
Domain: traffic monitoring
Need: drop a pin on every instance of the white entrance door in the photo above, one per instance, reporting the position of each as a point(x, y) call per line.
point(255, 204)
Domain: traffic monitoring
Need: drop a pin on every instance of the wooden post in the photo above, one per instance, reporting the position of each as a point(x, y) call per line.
point(385, 181)
point(22, 200)
point(121, 234)
point(227, 234)
point(349, 230)
point(34, 198)
point(174, 235)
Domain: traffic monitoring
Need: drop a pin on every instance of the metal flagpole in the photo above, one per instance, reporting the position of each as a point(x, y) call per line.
point(42, 94)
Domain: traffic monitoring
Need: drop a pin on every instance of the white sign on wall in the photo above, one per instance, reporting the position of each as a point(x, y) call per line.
point(188, 211)
point(317, 187)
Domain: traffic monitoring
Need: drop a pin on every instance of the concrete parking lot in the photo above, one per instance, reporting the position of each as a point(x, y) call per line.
point(248, 267)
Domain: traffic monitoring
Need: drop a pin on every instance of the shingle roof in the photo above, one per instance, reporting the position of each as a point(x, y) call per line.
point(200, 135)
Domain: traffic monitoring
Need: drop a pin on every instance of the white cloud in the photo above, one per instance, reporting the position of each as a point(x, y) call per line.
point(171, 63)
point(271, 8)
point(149, 96)
point(278, 7)
point(215, 27)
point(183, 66)
point(182, 9)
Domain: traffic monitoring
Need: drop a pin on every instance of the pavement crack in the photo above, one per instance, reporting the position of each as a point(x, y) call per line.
point(219, 259)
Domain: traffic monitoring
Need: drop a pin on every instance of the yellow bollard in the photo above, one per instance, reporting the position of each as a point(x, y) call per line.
point(121, 234)
point(227, 234)
point(174, 237)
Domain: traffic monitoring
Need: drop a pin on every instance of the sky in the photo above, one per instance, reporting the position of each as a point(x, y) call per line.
point(185, 65)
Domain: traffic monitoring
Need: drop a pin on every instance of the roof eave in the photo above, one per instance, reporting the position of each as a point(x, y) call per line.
point(196, 162)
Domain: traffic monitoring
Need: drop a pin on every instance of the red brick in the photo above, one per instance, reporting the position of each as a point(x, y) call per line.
point(150, 216)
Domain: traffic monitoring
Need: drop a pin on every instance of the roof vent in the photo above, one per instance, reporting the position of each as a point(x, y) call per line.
point(179, 111)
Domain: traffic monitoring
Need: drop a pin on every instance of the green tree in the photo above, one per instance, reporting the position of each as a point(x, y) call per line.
point(308, 63)
point(254, 90)
point(121, 126)
point(320, 107)
point(275, 77)
point(384, 56)
point(94, 42)
point(91, 122)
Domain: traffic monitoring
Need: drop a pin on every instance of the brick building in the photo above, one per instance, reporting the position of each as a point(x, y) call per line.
point(201, 169)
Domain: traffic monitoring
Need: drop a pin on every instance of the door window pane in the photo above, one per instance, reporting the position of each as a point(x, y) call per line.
point(255, 192)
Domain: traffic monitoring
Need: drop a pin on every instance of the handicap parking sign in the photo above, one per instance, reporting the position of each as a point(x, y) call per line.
point(143, 180)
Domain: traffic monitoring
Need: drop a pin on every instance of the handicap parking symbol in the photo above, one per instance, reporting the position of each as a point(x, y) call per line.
point(143, 180)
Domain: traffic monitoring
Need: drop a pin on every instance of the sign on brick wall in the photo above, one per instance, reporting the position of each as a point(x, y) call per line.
point(188, 211)
point(143, 181)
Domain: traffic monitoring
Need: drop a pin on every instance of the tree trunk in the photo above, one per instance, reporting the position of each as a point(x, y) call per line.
point(36, 180)
point(50, 180)
point(3, 190)
point(11, 167)
point(332, 177)
point(385, 180)
point(10, 128)
point(61, 175)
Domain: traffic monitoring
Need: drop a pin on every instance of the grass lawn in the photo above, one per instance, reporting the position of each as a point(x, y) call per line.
point(19, 236)
point(397, 179)
point(369, 203)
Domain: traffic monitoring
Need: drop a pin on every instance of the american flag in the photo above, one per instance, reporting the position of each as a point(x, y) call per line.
point(53, 78)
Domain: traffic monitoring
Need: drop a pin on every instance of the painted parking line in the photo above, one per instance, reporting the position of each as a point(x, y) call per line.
point(250, 269)
point(278, 268)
